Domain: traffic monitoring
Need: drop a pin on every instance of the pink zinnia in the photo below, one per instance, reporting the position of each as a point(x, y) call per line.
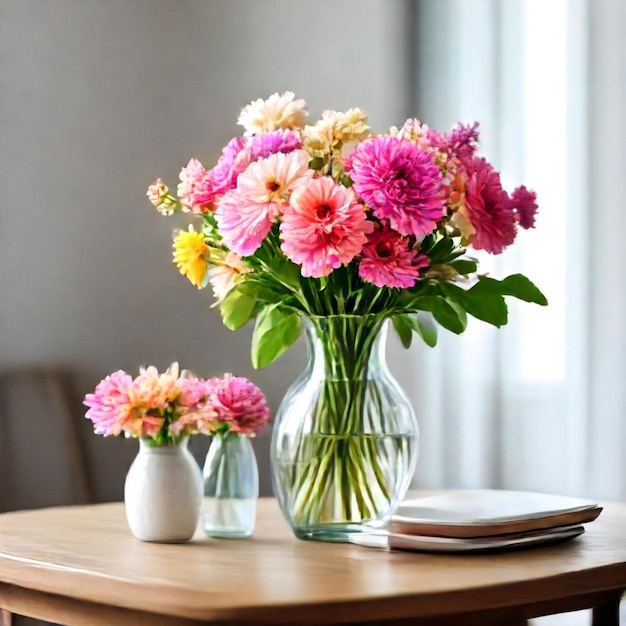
point(246, 214)
point(234, 160)
point(192, 392)
point(323, 227)
point(198, 419)
point(524, 203)
point(239, 403)
point(109, 405)
point(400, 182)
point(195, 189)
point(487, 207)
point(388, 260)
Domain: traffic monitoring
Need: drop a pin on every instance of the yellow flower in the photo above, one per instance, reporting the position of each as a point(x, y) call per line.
point(189, 256)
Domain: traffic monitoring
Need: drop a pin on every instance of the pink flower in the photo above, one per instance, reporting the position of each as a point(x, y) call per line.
point(239, 403)
point(246, 214)
point(486, 208)
point(400, 182)
point(234, 160)
point(243, 224)
point(323, 227)
point(524, 202)
point(195, 189)
point(388, 260)
point(264, 144)
point(199, 419)
point(192, 391)
point(109, 405)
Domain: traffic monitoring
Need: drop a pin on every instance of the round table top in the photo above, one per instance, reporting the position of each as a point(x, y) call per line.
point(88, 553)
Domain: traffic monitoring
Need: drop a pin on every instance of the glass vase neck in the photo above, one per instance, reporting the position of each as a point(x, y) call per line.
point(342, 347)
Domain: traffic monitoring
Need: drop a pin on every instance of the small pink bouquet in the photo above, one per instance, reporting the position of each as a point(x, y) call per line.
point(163, 408)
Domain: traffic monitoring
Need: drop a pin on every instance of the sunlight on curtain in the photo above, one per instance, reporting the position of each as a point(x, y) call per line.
point(511, 407)
point(545, 169)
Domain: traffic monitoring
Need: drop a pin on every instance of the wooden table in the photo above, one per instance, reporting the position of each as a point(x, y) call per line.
point(81, 565)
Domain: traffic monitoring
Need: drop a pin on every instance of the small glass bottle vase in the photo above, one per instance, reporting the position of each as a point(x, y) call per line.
point(231, 487)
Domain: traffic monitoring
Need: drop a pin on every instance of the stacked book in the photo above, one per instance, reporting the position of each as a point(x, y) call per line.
point(478, 520)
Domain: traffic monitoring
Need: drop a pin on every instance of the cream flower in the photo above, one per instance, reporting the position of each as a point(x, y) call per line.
point(163, 201)
point(335, 129)
point(227, 273)
point(278, 111)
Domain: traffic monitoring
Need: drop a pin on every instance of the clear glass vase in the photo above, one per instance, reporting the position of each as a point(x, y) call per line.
point(231, 487)
point(344, 444)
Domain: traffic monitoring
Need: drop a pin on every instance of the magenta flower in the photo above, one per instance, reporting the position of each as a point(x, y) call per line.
point(238, 403)
point(400, 182)
point(109, 404)
point(323, 227)
point(388, 260)
point(195, 189)
point(487, 208)
point(264, 144)
point(524, 203)
point(234, 160)
point(462, 139)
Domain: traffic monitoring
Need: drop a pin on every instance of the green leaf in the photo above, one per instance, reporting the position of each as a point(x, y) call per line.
point(483, 301)
point(447, 315)
point(444, 313)
point(421, 323)
point(459, 310)
point(287, 272)
point(403, 329)
point(425, 328)
point(464, 266)
point(238, 308)
point(427, 243)
point(263, 291)
point(441, 250)
point(276, 329)
point(518, 286)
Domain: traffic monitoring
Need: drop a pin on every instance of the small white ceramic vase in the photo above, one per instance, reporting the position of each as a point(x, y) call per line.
point(163, 493)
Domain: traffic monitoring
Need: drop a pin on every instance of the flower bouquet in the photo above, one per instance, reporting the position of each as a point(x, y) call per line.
point(335, 229)
point(160, 408)
point(163, 487)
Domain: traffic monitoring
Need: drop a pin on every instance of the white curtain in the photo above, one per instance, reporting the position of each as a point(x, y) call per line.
point(539, 404)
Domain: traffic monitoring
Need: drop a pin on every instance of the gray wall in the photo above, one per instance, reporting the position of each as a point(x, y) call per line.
point(98, 98)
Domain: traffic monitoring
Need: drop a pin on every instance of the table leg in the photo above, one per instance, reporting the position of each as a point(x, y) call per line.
point(607, 614)
point(5, 618)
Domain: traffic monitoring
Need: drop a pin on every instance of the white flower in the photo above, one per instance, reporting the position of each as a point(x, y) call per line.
point(278, 111)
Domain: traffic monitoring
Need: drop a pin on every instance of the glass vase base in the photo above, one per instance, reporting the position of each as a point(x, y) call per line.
point(229, 518)
point(226, 534)
point(336, 533)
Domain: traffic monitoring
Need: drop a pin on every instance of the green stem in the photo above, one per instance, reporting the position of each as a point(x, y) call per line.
point(340, 478)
